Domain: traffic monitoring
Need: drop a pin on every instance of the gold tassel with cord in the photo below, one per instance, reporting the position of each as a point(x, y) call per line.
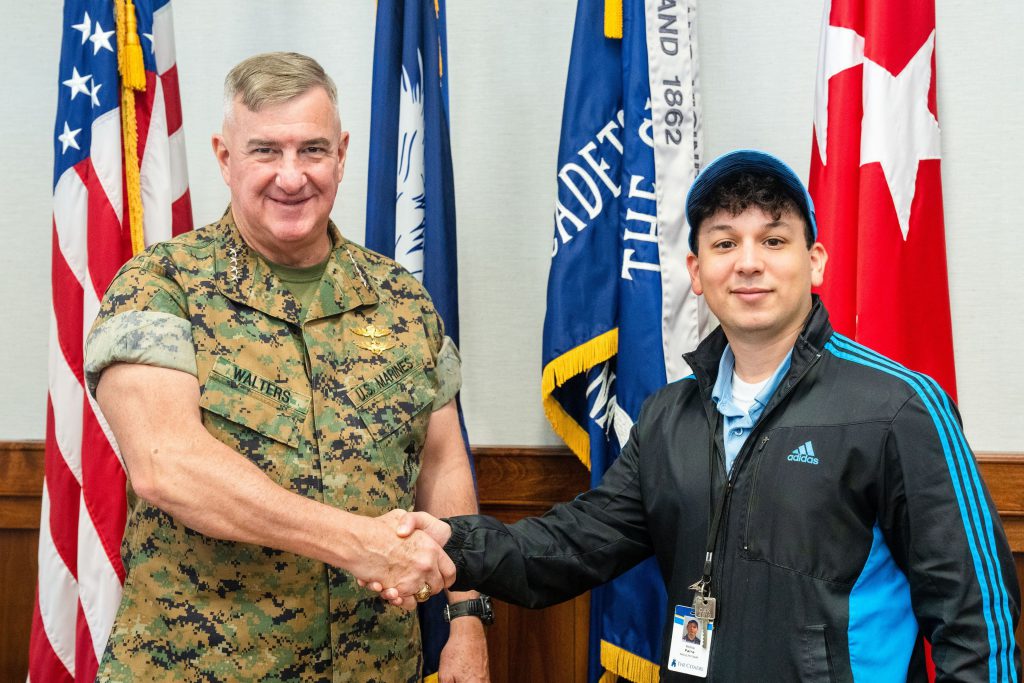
point(133, 68)
point(133, 78)
point(613, 19)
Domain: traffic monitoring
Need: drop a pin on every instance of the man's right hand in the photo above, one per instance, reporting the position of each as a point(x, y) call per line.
point(439, 531)
point(410, 525)
point(403, 557)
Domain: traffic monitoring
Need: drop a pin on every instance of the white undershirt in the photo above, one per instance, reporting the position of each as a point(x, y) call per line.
point(744, 393)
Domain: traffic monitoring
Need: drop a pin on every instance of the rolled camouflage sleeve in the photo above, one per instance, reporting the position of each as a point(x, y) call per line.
point(447, 361)
point(146, 337)
point(449, 373)
point(141, 320)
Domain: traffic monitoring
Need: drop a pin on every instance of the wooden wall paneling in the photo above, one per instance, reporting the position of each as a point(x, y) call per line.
point(499, 653)
point(21, 485)
point(18, 565)
point(1019, 561)
point(547, 645)
point(1004, 476)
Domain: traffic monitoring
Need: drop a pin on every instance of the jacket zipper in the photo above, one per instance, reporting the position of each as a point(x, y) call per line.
point(753, 490)
point(741, 458)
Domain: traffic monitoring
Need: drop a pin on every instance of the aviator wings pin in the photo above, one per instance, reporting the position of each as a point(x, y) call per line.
point(375, 344)
point(371, 331)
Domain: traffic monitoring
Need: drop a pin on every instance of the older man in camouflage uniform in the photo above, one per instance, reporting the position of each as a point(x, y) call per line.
point(279, 395)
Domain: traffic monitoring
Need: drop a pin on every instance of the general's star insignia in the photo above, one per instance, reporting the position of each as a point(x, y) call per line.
point(371, 331)
point(375, 346)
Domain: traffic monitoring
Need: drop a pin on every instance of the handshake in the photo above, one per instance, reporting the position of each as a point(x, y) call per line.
point(403, 557)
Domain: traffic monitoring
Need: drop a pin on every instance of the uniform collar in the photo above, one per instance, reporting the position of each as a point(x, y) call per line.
point(244, 276)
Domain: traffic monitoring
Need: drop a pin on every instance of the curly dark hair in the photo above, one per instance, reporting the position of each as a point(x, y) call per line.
point(738, 192)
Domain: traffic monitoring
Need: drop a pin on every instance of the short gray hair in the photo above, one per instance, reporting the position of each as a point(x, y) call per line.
point(275, 77)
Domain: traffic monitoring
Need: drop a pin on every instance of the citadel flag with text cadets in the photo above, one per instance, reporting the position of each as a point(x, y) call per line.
point(875, 179)
point(620, 312)
point(410, 200)
point(119, 185)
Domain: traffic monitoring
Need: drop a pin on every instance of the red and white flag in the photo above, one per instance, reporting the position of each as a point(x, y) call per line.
point(876, 184)
point(83, 499)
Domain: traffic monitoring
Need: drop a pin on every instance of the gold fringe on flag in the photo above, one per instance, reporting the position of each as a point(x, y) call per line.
point(613, 19)
point(627, 665)
point(561, 370)
point(133, 78)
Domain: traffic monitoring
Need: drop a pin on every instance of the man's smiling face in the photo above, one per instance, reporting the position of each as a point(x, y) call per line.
point(283, 165)
point(756, 273)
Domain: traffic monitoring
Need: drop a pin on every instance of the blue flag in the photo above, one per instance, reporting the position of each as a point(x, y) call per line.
point(410, 201)
point(620, 312)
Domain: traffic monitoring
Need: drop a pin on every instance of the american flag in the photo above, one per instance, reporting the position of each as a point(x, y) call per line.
point(84, 508)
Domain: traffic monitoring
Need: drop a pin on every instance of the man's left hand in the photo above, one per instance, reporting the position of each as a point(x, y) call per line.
point(464, 657)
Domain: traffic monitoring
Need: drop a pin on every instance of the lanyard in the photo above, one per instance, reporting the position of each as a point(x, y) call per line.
point(703, 585)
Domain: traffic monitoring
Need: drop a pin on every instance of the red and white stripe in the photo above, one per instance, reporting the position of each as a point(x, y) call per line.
point(84, 508)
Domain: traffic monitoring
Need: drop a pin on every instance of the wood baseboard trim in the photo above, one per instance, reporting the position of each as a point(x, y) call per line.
point(513, 481)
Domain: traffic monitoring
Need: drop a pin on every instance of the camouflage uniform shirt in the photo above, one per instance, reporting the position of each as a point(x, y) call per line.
point(333, 407)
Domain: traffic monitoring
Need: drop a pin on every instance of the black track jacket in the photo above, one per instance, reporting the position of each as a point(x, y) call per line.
point(856, 523)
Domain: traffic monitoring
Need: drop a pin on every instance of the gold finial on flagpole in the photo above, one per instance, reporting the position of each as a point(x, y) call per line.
point(133, 70)
point(133, 78)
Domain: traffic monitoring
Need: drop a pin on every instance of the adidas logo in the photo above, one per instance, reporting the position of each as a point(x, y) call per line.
point(804, 453)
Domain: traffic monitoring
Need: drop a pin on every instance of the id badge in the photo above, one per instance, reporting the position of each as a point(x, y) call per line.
point(690, 648)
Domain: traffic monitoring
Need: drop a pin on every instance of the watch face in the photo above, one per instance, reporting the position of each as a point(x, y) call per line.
point(488, 616)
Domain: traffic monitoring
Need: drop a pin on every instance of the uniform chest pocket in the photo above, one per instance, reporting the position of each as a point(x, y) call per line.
point(392, 398)
point(244, 397)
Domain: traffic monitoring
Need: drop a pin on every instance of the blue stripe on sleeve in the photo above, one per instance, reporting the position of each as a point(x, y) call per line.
point(966, 484)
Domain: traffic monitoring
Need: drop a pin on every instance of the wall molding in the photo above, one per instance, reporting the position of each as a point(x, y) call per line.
point(21, 483)
point(542, 476)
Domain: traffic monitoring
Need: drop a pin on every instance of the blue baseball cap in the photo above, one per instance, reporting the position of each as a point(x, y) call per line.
point(749, 161)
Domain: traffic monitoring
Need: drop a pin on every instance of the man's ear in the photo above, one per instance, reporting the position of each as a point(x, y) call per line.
point(819, 257)
point(342, 156)
point(221, 151)
point(694, 268)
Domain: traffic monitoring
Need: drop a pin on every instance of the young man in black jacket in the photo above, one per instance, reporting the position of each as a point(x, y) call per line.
point(827, 489)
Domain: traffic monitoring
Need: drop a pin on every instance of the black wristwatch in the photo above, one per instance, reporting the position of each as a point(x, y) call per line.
point(477, 607)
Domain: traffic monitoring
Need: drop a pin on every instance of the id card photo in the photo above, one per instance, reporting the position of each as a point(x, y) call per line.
point(691, 643)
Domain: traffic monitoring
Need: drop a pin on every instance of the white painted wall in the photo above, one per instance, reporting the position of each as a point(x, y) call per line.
point(507, 64)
